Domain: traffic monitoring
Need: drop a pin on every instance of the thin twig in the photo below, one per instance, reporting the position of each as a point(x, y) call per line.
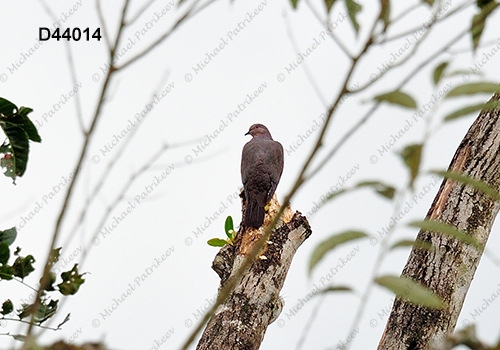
point(120, 197)
point(28, 322)
point(105, 175)
point(332, 34)
point(376, 267)
point(190, 12)
point(140, 12)
point(304, 64)
point(88, 134)
point(103, 25)
point(411, 31)
point(71, 68)
point(310, 321)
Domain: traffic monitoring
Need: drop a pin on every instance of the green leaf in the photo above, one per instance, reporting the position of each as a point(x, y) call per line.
point(352, 9)
point(477, 184)
point(54, 257)
point(18, 140)
point(217, 242)
point(483, 3)
point(381, 188)
point(479, 21)
point(335, 194)
point(46, 311)
point(229, 226)
point(330, 243)
point(24, 111)
point(19, 337)
point(411, 243)
point(72, 281)
point(471, 109)
point(7, 307)
point(7, 108)
point(438, 72)
point(385, 12)
point(410, 290)
point(7, 162)
point(461, 72)
point(23, 266)
point(26, 310)
point(6, 272)
point(19, 130)
point(8, 236)
point(66, 319)
point(26, 124)
point(294, 3)
point(476, 30)
point(440, 227)
point(329, 5)
point(336, 289)
point(474, 88)
point(398, 98)
point(50, 283)
point(4, 253)
point(411, 156)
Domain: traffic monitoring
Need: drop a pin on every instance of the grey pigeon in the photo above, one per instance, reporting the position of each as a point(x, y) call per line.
point(261, 168)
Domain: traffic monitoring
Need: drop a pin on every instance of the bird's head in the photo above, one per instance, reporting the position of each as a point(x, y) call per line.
point(257, 130)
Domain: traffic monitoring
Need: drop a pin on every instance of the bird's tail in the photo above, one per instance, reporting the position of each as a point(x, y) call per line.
point(254, 215)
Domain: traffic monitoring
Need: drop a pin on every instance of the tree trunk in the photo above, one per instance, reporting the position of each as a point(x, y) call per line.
point(448, 268)
point(241, 321)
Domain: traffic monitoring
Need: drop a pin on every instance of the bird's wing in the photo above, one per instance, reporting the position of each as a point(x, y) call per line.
point(276, 161)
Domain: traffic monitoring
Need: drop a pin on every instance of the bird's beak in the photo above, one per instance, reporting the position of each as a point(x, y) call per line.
point(248, 133)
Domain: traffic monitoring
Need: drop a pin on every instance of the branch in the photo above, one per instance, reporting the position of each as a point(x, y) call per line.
point(332, 34)
point(307, 71)
point(88, 134)
point(466, 336)
point(71, 68)
point(190, 12)
point(103, 24)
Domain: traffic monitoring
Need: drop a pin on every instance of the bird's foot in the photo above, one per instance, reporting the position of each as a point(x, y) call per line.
point(266, 208)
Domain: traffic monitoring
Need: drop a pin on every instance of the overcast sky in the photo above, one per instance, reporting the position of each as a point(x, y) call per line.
point(187, 106)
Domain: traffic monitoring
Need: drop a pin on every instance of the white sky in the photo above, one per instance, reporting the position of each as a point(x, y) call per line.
point(197, 102)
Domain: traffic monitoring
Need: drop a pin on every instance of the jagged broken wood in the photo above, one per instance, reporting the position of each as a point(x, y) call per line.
point(241, 321)
point(448, 268)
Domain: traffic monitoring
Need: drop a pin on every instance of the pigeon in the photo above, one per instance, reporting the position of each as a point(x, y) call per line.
point(261, 169)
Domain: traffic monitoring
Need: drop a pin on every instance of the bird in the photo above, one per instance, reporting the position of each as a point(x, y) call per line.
point(261, 169)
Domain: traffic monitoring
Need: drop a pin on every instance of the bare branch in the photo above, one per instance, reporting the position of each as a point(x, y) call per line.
point(307, 71)
point(140, 12)
point(103, 24)
point(88, 134)
point(71, 68)
point(326, 25)
point(190, 12)
point(408, 32)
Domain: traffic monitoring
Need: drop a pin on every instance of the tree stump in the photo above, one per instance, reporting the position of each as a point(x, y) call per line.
point(241, 321)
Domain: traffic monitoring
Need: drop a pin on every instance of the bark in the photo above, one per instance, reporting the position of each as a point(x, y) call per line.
point(241, 321)
point(448, 268)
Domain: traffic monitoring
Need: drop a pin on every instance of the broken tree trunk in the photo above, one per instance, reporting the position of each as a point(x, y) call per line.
point(241, 321)
point(448, 268)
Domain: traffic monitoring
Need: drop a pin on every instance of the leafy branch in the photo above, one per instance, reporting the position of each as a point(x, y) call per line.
point(19, 130)
point(21, 268)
